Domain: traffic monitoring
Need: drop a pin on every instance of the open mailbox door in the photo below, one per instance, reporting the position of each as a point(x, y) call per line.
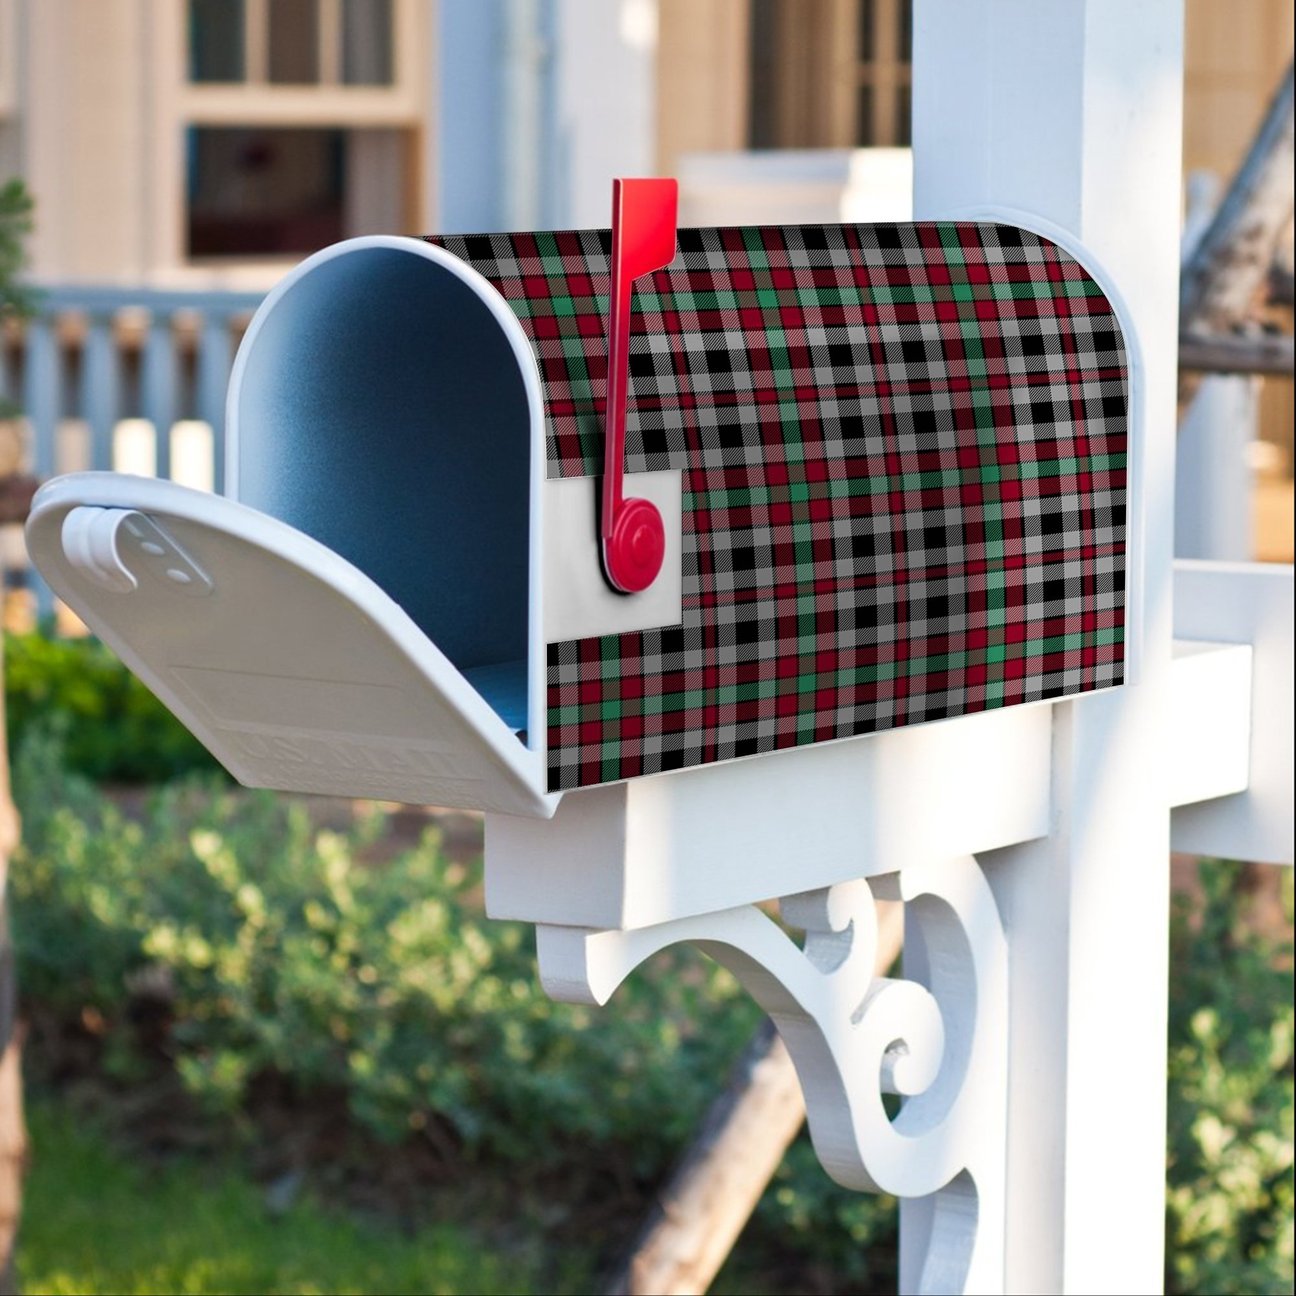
point(364, 620)
point(293, 667)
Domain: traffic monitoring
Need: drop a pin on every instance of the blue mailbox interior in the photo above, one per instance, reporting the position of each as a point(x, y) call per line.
point(382, 411)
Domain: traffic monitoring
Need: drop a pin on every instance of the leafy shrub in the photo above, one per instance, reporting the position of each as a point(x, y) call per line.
point(113, 728)
point(283, 954)
point(1230, 1199)
point(847, 1239)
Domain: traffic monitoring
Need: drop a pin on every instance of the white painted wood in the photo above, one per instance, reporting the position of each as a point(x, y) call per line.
point(1213, 509)
point(1073, 112)
point(604, 104)
point(1208, 744)
point(579, 603)
point(794, 186)
point(1248, 603)
point(854, 1036)
point(678, 845)
point(289, 664)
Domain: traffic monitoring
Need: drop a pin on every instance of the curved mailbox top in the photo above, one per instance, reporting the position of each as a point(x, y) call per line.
point(904, 455)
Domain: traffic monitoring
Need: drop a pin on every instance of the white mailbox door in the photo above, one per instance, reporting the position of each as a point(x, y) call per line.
point(286, 661)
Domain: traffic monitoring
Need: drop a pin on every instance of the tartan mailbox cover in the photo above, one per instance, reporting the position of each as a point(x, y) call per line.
point(904, 451)
point(892, 461)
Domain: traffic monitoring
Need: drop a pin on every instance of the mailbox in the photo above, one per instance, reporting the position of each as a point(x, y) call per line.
point(883, 470)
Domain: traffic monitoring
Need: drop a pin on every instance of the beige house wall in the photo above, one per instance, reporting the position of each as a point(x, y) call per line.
point(82, 108)
point(1234, 54)
point(10, 139)
point(701, 78)
point(95, 116)
point(92, 100)
point(1233, 60)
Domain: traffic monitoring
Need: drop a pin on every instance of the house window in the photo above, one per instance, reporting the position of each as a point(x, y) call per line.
point(293, 53)
point(298, 123)
point(367, 41)
point(833, 74)
point(291, 42)
point(257, 192)
point(884, 69)
point(216, 47)
point(264, 192)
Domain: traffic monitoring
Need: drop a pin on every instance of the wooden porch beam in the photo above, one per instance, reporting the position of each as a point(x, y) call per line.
point(1237, 353)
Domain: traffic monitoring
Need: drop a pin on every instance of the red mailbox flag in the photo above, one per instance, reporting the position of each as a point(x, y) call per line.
point(643, 240)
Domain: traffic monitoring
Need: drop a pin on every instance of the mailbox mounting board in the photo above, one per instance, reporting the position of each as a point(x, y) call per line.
point(904, 453)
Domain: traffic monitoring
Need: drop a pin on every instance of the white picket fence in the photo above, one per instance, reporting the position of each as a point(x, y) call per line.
point(131, 380)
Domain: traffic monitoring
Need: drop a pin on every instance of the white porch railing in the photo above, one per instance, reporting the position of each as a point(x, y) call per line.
point(131, 380)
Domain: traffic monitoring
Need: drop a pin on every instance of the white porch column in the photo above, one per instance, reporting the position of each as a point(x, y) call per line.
point(1214, 513)
point(1071, 111)
point(604, 90)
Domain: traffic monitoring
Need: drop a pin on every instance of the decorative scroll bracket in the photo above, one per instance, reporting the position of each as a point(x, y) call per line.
point(938, 1037)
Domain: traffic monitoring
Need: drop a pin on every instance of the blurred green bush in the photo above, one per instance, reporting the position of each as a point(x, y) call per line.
point(113, 729)
point(279, 952)
point(1229, 1202)
point(282, 954)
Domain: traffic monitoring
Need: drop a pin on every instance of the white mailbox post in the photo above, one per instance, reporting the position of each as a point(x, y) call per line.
point(317, 636)
point(1034, 861)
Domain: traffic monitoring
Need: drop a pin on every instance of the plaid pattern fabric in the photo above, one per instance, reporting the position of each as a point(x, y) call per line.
point(904, 457)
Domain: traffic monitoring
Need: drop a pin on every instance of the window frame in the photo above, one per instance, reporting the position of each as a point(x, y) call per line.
point(181, 104)
point(255, 100)
point(817, 91)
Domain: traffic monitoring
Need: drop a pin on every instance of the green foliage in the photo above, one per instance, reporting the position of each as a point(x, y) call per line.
point(283, 954)
point(112, 727)
point(1230, 1197)
point(15, 224)
point(16, 207)
point(94, 1221)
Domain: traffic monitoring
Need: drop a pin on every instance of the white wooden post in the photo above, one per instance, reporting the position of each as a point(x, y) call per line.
point(1072, 112)
point(1213, 509)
